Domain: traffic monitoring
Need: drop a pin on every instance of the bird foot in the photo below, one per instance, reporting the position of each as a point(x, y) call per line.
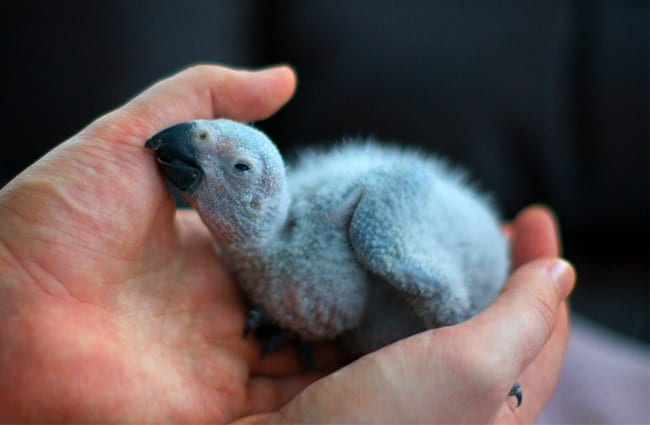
point(515, 391)
point(276, 339)
point(273, 336)
point(256, 319)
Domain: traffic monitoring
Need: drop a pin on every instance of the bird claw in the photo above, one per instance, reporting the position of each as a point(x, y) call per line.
point(256, 318)
point(516, 392)
point(276, 340)
point(275, 337)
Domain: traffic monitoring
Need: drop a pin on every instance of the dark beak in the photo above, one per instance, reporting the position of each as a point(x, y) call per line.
point(176, 156)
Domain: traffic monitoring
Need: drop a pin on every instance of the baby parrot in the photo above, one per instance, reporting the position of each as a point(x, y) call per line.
point(365, 242)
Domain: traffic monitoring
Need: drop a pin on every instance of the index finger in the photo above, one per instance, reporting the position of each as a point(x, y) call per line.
point(201, 92)
point(534, 235)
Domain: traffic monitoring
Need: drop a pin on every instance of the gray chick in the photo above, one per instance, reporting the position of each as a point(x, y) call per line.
point(365, 242)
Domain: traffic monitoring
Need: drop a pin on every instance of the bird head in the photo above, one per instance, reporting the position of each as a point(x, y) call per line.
point(230, 172)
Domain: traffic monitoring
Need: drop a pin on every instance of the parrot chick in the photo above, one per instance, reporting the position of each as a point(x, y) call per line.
point(365, 242)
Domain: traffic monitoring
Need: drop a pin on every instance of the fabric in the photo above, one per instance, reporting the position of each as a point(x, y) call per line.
point(605, 380)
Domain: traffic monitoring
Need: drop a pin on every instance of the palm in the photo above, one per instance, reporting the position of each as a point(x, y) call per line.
point(166, 338)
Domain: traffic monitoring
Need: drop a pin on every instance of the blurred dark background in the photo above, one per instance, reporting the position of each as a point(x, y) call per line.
point(544, 101)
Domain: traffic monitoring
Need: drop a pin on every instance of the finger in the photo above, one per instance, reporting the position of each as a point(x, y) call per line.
point(534, 235)
point(201, 92)
point(540, 378)
point(518, 324)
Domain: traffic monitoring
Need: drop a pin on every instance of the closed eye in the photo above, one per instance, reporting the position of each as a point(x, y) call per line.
point(242, 167)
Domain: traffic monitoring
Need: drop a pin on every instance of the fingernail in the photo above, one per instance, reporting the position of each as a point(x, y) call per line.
point(562, 273)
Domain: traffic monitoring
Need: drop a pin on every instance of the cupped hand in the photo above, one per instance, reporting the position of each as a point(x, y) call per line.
point(462, 373)
point(114, 306)
point(116, 309)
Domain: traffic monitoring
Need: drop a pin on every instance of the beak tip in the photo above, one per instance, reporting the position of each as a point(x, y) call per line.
point(176, 156)
point(152, 144)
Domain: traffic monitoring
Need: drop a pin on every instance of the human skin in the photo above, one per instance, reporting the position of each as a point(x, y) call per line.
point(116, 309)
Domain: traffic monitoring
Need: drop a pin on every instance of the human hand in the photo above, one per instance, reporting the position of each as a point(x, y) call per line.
point(117, 309)
point(462, 373)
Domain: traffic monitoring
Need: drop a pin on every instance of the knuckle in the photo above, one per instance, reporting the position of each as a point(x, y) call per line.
point(481, 367)
point(199, 69)
point(544, 312)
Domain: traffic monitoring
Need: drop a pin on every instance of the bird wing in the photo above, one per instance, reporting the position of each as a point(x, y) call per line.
point(398, 232)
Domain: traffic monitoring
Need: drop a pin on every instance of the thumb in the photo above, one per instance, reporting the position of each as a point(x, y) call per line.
point(202, 91)
point(518, 324)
